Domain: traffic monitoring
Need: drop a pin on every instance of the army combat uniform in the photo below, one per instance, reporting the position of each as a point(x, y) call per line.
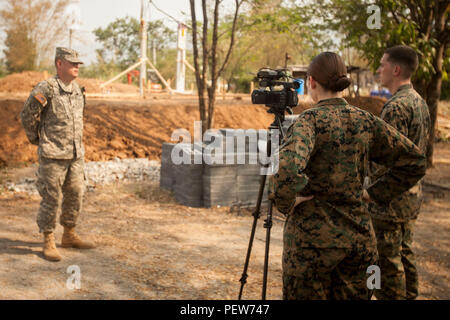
point(329, 241)
point(408, 113)
point(53, 119)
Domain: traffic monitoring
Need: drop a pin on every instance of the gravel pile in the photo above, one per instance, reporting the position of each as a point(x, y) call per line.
point(27, 185)
point(102, 172)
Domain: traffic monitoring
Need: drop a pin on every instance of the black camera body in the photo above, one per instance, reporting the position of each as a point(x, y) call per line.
point(278, 99)
point(283, 98)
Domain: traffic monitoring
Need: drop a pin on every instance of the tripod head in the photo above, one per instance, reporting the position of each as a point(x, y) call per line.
point(277, 92)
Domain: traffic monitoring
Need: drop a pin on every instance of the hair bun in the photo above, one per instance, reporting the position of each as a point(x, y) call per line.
point(341, 83)
point(329, 70)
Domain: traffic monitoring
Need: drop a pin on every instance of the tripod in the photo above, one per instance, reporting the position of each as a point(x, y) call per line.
point(277, 124)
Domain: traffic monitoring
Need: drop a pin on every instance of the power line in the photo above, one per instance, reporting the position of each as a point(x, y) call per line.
point(165, 13)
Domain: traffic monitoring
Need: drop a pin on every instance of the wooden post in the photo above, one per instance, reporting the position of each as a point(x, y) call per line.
point(166, 83)
point(252, 86)
point(121, 74)
point(143, 32)
point(224, 91)
point(357, 83)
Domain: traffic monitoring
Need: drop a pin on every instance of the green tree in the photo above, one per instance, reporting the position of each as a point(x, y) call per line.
point(209, 64)
point(21, 51)
point(33, 27)
point(121, 43)
point(101, 69)
point(3, 67)
point(422, 24)
point(267, 32)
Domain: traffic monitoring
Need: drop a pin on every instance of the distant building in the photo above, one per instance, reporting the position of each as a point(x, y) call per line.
point(363, 80)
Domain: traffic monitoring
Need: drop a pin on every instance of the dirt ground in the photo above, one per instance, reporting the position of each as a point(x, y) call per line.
point(150, 247)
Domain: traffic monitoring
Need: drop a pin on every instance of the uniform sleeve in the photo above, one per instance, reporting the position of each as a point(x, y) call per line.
point(294, 155)
point(396, 116)
point(405, 162)
point(32, 109)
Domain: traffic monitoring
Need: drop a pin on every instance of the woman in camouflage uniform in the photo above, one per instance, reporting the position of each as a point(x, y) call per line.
point(328, 239)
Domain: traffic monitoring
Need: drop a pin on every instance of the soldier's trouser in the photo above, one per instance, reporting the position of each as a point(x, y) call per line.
point(58, 178)
point(329, 274)
point(399, 277)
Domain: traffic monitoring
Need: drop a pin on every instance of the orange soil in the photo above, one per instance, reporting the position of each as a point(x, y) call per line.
point(124, 131)
point(128, 128)
point(25, 81)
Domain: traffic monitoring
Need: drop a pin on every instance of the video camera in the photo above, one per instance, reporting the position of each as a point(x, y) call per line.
point(281, 94)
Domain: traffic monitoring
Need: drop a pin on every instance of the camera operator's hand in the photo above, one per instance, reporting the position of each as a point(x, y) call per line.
point(299, 200)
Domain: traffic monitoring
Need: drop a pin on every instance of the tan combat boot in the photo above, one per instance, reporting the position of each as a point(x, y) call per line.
point(71, 240)
point(50, 251)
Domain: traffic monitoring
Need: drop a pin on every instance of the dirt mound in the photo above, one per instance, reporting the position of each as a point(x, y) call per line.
point(21, 82)
point(137, 129)
point(25, 81)
point(372, 104)
point(128, 130)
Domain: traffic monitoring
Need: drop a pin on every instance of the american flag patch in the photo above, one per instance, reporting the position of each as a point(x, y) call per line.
point(42, 100)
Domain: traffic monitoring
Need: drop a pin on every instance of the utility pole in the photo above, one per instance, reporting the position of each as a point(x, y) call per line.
point(143, 60)
point(70, 37)
point(181, 57)
point(143, 71)
point(154, 51)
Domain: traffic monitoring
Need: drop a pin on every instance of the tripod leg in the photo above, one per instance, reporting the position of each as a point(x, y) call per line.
point(268, 226)
point(256, 215)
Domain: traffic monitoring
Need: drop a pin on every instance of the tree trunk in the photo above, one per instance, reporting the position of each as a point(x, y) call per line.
point(433, 92)
point(205, 59)
point(432, 98)
point(200, 78)
point(211, 105)
point(213, 74)
point(210, 56)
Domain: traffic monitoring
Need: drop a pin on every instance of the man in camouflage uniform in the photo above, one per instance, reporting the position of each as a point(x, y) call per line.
point(53, 120)
point(408, 113)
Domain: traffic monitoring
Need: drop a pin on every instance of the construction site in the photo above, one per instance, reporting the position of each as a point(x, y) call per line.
point(147, 240)
point(162, 231)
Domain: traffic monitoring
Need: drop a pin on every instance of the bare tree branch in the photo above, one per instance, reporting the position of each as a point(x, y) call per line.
point(200, 81)
point(233, 30)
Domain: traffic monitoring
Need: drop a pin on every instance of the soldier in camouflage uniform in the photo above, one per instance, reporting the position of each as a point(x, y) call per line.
point(53, 120)
point(328, 240)
point(408, 113)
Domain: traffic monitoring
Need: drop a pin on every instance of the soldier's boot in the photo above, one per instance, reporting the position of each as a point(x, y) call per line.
point(71, 240)
point(50, 251)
